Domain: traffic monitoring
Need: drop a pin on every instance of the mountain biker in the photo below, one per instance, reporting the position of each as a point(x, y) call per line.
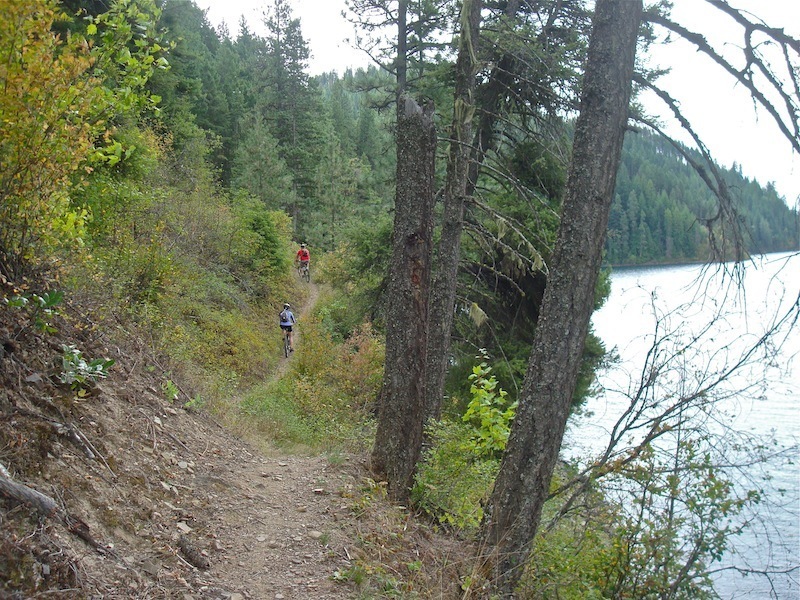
point(303, 257)
point(287, 319)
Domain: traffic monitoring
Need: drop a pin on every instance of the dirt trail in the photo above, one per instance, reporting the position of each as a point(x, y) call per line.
point(305, 310)
point(276, 527)
point(280, 523)
point(176, 506)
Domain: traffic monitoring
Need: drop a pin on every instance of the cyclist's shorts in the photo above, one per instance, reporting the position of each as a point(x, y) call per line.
point(286, 327)
point(303, 263)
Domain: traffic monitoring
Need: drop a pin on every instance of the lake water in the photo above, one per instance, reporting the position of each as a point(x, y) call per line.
point(756, 403)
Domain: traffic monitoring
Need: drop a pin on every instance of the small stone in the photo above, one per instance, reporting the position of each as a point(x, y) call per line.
point(261, 538)
point(315, 534)
point(184, 527)
point(236, 596)
point(183, 464)
point(151, 567)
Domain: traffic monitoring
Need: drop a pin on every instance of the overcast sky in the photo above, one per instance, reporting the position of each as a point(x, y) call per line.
point(720, 111)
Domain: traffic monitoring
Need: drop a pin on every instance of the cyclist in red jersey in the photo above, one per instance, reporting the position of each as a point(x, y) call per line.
point(303, 256)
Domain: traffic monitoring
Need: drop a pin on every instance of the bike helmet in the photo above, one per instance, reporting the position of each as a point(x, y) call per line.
point(286, 305)
point(302, 245)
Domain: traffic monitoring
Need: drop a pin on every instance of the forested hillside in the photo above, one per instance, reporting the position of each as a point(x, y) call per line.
point(662, 206)
point(156, 178)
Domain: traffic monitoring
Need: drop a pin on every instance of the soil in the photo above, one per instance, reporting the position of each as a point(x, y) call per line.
point(155, 500)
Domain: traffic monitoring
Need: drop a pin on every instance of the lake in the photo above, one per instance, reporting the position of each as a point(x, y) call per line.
point(716, 348)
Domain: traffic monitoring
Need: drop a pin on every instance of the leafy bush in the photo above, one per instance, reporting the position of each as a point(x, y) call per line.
point(77, 371)
point(42, 308)
point(489, 413)
point(55, 109)
point(457, 473)
point(453, 481)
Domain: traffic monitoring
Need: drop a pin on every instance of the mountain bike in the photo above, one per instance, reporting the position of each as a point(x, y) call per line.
point(305, 274)
point(287, 347)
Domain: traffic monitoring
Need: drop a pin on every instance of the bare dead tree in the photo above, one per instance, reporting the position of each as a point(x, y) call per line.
point(443, 288)
point(777, 93)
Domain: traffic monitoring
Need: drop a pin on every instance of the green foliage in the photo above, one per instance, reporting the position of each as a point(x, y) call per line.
point(77, 371)
point(170, 390)
point(43, 308)
point(336, 383)
point(489, 412)
point(58, 96)
point(569, 557)
point(259, 238)
point(359, 267)
point(258, 167)
point(44, 82)
point(454, 479)
point(682, 513)
point(652, 527)
point(457, 472)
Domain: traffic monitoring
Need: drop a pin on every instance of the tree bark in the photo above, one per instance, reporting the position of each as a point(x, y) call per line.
point(443, 289)
point(515, 507)
point(20, 492)
point(401, 406)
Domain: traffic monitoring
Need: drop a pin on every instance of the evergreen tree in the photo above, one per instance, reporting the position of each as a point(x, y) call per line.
point(291, 105)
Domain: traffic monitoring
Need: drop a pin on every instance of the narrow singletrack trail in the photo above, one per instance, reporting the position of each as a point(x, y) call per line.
point(280, 524)
point(305, 310)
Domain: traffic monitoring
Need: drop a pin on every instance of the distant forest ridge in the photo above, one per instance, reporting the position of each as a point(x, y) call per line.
point(321, 150)
point(661, 205)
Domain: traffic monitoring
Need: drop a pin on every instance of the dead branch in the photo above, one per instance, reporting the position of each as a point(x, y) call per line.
point(708, 172)
point(46, 507)
point(21, 493)
point(745, 75)
point(192, 554)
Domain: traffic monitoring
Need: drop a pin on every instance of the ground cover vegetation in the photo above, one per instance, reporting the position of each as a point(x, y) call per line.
point(156, 175)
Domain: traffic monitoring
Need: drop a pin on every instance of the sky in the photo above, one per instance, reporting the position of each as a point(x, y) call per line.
point(720, 111)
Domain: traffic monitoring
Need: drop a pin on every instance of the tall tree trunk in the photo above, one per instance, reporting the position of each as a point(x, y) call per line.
point(401, 68)
point(443, 289)
point(490, 97)
point(515, 507)
point(401, 406)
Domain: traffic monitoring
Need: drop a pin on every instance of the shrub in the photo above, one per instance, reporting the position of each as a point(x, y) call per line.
point(55, 111)
point(453, 482)
point(489, 412)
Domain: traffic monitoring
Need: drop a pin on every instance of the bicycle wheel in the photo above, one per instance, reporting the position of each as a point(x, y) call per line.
point(286, 347)
point(307, 275)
